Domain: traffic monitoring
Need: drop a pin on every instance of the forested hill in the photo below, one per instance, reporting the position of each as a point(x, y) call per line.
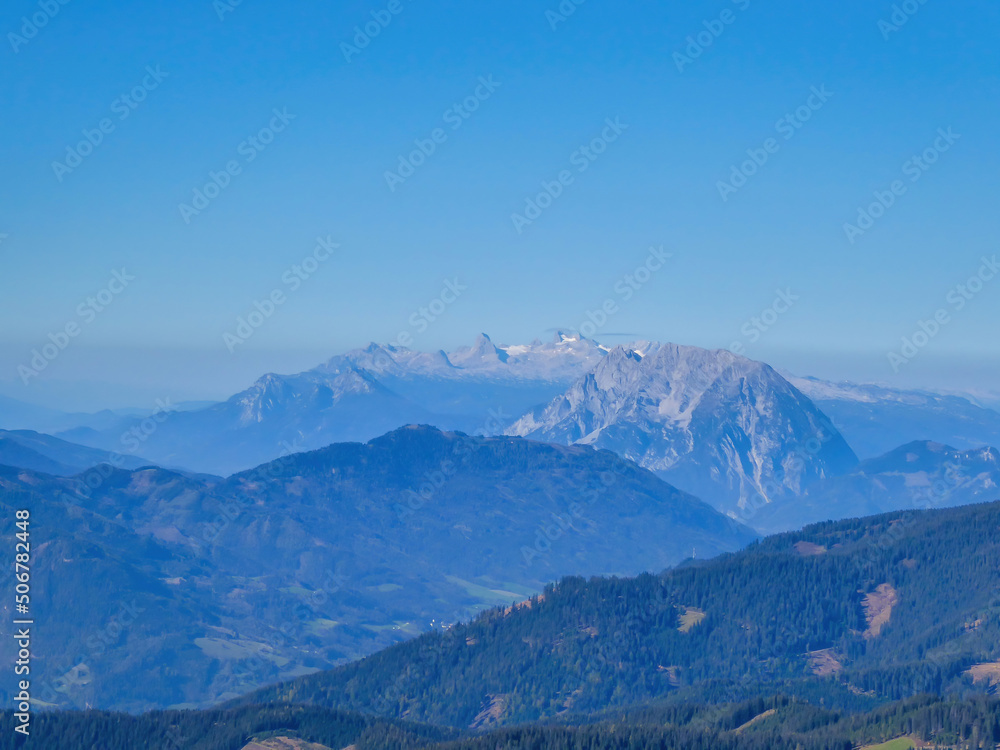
point(323, 557)
point(852, 613)
point(217, 730)
point(776, 723)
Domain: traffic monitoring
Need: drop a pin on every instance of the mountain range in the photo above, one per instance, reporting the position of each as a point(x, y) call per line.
point(28, 449)
point(805, 641)
point(726, 428)
point(920, 475)
point(389, 493)
point(849, 615)
point(875, 419)
point(729, 430)
point(322, 557)
point(356, 397)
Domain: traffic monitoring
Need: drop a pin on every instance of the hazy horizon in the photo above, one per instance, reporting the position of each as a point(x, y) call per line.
point(526, 162)
point(209, 375)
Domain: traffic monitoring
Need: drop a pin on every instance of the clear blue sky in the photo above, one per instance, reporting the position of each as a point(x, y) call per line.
point(656, 184)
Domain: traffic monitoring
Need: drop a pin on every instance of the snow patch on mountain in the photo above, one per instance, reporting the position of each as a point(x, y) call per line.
point(562, 359)
point(877, 418)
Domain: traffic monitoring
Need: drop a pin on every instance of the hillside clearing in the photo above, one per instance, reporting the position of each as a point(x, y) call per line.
point(878, 608)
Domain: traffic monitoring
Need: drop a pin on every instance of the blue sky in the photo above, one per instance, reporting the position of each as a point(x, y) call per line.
point(887, 95)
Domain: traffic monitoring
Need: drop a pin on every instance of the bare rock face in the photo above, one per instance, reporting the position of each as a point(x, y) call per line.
point(725, 428)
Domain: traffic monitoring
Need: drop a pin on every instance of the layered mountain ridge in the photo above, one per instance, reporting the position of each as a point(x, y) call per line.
point(321, 557)
point(727, 429)
point(358, 396)
point(848, 614)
